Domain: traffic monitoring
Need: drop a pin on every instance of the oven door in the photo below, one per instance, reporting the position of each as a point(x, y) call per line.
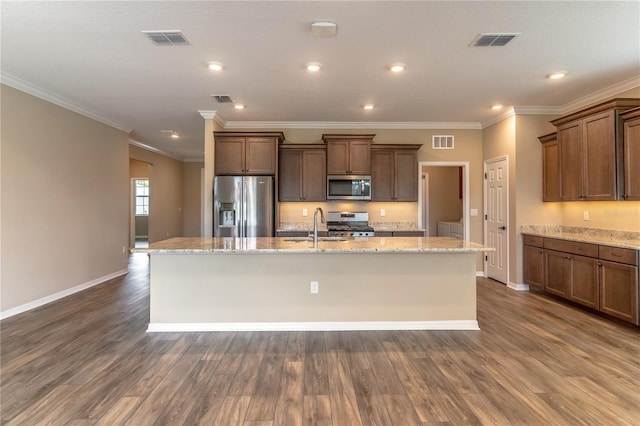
point(348, 187)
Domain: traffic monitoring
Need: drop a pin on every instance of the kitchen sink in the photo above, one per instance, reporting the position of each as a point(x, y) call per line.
point(310, 239)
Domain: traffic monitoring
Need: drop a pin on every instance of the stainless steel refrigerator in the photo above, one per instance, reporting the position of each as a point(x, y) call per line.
point(243, 206)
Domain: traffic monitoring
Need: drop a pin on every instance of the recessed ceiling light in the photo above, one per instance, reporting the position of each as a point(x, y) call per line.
point(397, 67)
point(175, 136)
point(238, 106)
point(369, 106)
point(556, 75)
point(313, 66)
point(496, 107)
point(216, 66)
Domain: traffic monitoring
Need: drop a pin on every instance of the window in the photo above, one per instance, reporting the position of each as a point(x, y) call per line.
point(142, 197)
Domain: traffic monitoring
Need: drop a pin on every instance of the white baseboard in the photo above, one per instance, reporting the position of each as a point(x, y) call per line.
point(481, 274)
point(518, 287)
point(314, 326)
point(59, 295)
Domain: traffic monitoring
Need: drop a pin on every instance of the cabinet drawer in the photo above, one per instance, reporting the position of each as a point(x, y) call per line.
point(617, 254)
point(583, 249)
point(532, 240)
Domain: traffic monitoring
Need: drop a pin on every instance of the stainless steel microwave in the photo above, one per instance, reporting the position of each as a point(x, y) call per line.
point(348, 187)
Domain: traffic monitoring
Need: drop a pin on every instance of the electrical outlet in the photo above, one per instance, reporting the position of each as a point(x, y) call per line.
point(314, 287)
point(383, 213)
point(304, 212)
point(585, 215)
point(124, 249)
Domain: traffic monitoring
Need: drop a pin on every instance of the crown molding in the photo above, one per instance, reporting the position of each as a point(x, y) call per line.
point(537, 110)
point(194, 160)
point(41, 93)
point(212, 115)
point(600, 95)
point(408, 125)
point(506, 114)
point(153, 149)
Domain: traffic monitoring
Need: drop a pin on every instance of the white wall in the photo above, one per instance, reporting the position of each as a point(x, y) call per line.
point(65, 192)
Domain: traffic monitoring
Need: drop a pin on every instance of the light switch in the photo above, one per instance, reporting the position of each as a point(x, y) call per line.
point(474, 212)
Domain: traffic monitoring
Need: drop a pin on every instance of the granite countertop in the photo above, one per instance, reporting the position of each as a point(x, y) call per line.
point(623, 239)
point(269, 245)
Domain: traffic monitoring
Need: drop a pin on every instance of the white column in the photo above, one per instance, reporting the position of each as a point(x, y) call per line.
point(211, 124)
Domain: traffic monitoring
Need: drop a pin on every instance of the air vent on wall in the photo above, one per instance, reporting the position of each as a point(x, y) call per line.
point(494, 39)
point(442, 142)
point(223, 99)
point(167, 38)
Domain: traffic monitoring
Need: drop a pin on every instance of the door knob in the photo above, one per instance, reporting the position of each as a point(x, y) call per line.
point(502, 227)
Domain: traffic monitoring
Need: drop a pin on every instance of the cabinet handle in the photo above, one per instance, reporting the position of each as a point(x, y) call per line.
point(502, 227)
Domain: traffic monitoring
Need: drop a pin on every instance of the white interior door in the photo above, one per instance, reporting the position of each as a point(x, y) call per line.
point(496, 218)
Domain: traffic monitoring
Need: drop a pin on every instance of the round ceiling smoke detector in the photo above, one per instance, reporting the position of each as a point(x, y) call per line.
point(323, 29)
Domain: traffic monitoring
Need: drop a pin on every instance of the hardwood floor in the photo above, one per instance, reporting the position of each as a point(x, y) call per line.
point(87, 360)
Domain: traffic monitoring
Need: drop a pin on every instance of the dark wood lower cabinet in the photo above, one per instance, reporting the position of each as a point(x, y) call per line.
point(583, 281)
point(619, 290)
point(606, 279)
point(534, 267)
point(556, 273)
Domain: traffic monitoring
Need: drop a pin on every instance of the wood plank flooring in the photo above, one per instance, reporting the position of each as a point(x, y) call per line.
point(87, 360)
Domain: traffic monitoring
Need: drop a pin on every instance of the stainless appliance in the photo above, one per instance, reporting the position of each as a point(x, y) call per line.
point(348, 187)
point(349, 224)
point(243, 206)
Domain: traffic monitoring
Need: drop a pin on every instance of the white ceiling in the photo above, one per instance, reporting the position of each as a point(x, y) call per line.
point(92, 57)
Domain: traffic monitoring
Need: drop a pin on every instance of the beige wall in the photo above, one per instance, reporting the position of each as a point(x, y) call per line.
point(191, 199)
point(65, 186)
point(615, 215)
point(165, 193)
point(444, 202)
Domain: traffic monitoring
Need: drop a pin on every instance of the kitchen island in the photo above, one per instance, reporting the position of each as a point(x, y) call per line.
point(208, 284)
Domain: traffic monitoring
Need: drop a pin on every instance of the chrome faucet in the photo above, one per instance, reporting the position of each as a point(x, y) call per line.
point(315, 223)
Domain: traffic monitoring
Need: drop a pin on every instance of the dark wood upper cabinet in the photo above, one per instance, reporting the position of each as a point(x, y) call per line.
point(550, 167)
point(348, 154)
point(246, 153)
point(302, 173)
point(631, 131)
point(590, 152)
point(394, 172)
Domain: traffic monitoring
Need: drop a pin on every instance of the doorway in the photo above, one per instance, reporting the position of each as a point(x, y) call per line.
point(443, 196)
point(496, 194)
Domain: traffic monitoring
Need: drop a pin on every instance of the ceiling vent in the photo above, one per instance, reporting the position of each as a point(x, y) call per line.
point(323, 29)
point(494, 39)
point(223, 99)
point(167, 38)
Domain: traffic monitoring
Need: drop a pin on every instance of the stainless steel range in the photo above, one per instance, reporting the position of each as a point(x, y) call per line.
point(349, 224)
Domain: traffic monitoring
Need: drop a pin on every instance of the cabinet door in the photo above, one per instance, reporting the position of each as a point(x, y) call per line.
point(337, 157)
point(533, 268)
point(556, 277)
point(359, 158)
point(314, 175)
point(571, 170)
point(406, 176)
point(229, 156)
point(599, 156)
point(382, 168)
point(632, 160)
point(583, 283)
point(551, 172)
point(290, 175)
point(619, 290)
point(260, 156)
